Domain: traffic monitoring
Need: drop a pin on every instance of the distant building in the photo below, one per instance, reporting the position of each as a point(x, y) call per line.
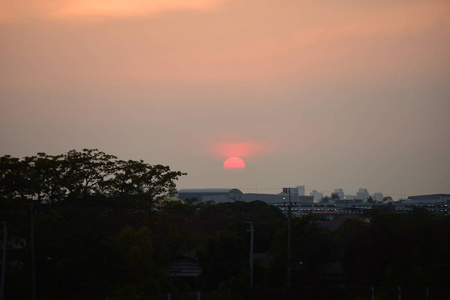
point(216, 195)
point(437, 198)
point(232, 195)
point(302, 205)
point(299, 190)
point(340, 193)
point(362, 194)
point(378, 197)
point(277, 198)
point(317, 197)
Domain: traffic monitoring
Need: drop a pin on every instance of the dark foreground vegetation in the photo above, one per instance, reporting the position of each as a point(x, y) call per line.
point(99, 227)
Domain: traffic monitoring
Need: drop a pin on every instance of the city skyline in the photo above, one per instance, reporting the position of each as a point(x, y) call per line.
point(347, 94)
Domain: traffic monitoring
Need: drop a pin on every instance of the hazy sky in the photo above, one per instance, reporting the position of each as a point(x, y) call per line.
point(326, 94)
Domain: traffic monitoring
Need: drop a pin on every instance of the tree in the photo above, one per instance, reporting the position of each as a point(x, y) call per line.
point(13, 180)
point(364, 248)
point(335, 196)
point(77, 175)
point(87, 172)
point(311, 247)
point(420, 242)
point(45, 179)
point(79, 221)
point(133, 249)
point(223, 257)
point(151, 183)
point(325, 199)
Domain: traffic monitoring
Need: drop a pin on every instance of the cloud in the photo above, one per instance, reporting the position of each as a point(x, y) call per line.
point(251, 45)
point(238, 149)
point(17, 10)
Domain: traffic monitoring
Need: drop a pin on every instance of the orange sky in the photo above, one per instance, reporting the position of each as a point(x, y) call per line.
point(344, 93)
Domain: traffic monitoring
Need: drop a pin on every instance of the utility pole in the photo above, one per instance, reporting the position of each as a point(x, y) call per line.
point(5, 245)
point(251, 252)
point(288, 276)
point(33, 258)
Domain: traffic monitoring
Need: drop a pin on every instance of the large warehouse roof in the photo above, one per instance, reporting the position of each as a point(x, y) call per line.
point(217, 195)
point(209, 191)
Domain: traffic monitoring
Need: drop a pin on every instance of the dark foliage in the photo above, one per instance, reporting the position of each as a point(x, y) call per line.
point(102, 228)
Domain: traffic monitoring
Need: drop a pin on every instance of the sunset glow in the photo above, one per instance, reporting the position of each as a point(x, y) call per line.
point(241, 149)
point(12, 10)
point(306, 92)
point(234, 163)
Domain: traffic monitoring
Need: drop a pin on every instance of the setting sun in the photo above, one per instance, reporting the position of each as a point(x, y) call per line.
point(234, 163)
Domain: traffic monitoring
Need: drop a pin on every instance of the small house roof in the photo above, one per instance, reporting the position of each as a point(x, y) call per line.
point(185, 265)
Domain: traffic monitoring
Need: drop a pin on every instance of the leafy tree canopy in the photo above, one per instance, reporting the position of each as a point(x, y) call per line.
point(78, 174)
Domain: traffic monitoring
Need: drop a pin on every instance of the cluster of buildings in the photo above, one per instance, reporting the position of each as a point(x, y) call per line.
point(362, 194)
point(295, 200)
point(331, 214)
point(297, 195)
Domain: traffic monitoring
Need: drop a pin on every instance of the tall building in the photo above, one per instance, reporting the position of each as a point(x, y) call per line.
point(299, 190)
point(378, 197)
point(317, 196)
point(362, 194)
point(340, 193)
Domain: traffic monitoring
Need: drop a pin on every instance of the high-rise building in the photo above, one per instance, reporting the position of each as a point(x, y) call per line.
point(299, 190)
point(362, 194)
point(378, 197)
point(340, 193)
point(317, 196)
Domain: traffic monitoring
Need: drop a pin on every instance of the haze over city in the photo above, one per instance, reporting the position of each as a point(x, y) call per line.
point(326, 94)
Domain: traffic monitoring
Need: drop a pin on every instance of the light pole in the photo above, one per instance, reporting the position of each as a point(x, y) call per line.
point(251, 252)
point(288, 275)
point(33, 258)
point(36, 264)
point(5, 241)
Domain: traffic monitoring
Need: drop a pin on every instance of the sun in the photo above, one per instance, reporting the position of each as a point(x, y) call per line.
point(234, 162)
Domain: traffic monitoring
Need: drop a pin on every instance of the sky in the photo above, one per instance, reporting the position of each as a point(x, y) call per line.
point(327, 94)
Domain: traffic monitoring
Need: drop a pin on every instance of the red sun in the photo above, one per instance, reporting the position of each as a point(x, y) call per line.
point(234, 162)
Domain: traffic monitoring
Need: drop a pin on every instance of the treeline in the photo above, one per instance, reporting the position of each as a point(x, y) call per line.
point(50, 178)
point(106, 228)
